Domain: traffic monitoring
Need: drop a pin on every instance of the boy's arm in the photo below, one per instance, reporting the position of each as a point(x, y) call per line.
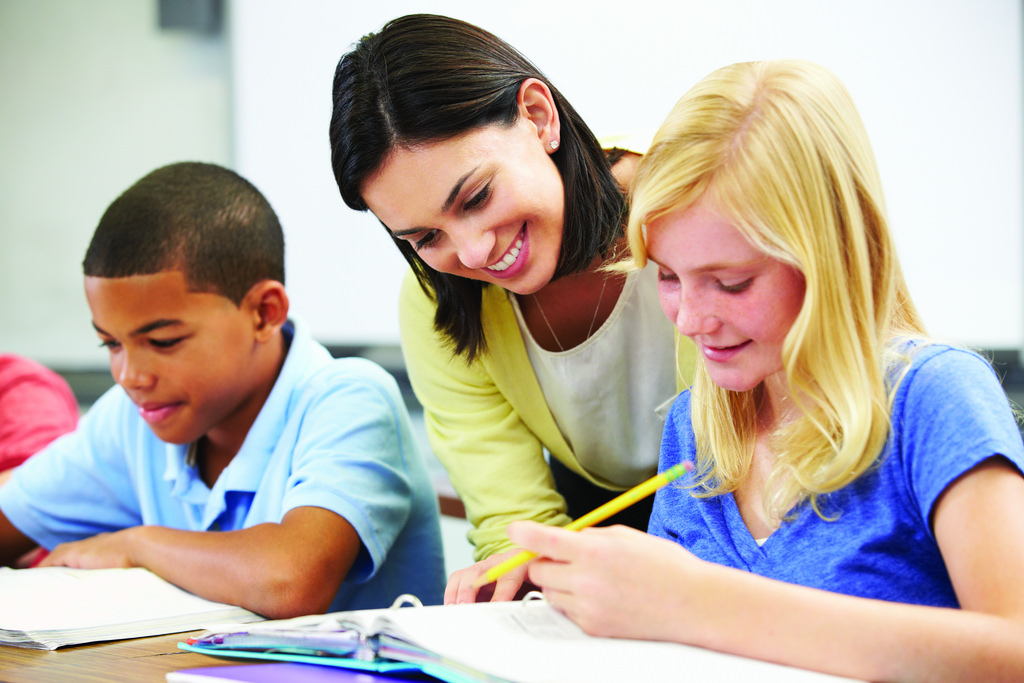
point(276, 570)
point(13, 543)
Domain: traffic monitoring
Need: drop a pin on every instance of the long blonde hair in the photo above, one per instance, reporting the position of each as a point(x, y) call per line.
point(780, 150)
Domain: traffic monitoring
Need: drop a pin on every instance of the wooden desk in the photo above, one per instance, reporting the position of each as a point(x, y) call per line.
point(140, 660)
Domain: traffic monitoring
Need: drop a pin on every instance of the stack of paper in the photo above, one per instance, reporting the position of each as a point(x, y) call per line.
point(50, 607)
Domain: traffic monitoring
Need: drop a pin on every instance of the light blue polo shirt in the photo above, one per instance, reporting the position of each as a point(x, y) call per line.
point(333, 433)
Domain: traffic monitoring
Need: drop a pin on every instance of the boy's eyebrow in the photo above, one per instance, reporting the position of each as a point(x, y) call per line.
point(447, 203)
point(148, 327)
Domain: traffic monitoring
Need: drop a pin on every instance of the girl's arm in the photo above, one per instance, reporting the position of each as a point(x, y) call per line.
point(616, 582)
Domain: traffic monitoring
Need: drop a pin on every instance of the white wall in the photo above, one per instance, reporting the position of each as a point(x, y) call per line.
point(94, 97)
point(938, 82)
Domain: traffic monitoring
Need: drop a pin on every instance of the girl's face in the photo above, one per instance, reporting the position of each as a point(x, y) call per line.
point(486, 205)
point(733, 300)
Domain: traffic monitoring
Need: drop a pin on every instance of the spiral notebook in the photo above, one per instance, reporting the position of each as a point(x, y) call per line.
point(525, 641)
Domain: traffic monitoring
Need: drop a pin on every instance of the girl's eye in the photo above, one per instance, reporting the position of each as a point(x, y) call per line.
point(426, 240)
point(736, 288)
point(666, 275)
point(109, 344)
point(478, 199)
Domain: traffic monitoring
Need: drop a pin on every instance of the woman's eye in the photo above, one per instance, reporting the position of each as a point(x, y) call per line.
point(736, 288)
point(428, 239)
point(109, 344)
point(478, 199)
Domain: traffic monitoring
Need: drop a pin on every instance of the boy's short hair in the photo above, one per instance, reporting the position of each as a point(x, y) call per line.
point(199, 218)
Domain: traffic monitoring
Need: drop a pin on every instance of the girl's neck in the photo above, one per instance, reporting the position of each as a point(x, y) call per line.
point(775, 405)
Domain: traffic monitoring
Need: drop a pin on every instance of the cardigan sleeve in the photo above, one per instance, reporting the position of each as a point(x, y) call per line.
point(495, 462)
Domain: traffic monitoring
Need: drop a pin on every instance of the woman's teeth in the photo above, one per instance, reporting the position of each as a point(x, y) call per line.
point(509, 258)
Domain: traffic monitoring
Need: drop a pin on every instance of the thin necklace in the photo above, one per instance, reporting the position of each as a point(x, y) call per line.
point(600, 298)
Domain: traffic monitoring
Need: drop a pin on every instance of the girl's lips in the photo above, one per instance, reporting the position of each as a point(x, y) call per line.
point(514, 260)
point(722, 354)
point(155, 413)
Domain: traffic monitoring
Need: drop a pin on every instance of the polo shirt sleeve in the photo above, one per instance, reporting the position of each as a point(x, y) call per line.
point(80, 485)
point(353, 456)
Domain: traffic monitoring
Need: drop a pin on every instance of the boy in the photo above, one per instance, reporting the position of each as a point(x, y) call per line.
point(235, 459)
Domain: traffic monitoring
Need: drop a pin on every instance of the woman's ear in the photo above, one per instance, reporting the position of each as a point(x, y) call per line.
point(268, 302)
point(537, 105)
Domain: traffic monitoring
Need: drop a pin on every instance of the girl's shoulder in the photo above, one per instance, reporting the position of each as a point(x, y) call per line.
point(915, 361)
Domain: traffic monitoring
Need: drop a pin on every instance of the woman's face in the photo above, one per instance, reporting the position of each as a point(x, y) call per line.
point(486, 205)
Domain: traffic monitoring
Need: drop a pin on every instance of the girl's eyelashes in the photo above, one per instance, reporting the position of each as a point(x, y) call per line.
point(736, 288)
point(109, 344)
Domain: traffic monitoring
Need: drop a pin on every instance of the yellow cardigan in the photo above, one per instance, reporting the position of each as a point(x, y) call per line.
point(488, 422)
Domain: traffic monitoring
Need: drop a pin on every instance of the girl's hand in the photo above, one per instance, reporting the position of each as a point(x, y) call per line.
point(613, 581)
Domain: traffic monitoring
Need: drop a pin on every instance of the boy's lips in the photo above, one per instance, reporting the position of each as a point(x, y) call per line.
point(155, 413)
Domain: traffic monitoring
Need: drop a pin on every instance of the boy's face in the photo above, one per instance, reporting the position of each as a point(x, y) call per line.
point(181, 356)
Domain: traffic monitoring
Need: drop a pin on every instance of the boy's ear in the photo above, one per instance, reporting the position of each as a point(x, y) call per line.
point(268, 303)
point(537, 105)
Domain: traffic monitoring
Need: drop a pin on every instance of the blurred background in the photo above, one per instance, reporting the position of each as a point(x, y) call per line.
point(93, 95)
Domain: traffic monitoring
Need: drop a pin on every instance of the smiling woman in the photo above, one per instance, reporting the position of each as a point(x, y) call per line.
point(506, 208)
point(481, 204)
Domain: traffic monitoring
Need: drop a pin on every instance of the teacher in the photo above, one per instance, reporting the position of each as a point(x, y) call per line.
point(542, 375)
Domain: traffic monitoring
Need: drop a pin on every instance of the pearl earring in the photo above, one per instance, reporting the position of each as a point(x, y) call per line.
point(554, 145)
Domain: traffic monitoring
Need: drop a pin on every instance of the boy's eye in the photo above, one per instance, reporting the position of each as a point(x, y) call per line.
point(736, 288)
point(428, 239)
point(165, 343)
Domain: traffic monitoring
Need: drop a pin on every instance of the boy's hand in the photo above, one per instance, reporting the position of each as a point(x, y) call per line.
point(102, 551)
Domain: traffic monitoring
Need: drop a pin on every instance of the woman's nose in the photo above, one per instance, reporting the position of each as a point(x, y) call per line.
point(474, 247)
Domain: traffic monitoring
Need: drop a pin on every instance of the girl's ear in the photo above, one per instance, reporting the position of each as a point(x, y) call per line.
point(537, 105)
point(268, 302)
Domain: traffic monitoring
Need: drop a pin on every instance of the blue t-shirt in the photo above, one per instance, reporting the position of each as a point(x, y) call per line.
point(333, 433)
point(949, 415)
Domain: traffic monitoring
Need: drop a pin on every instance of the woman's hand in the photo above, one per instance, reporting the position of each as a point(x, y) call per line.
point(461, 589)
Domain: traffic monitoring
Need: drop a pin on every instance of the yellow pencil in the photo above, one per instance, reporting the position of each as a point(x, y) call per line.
point(617, 504)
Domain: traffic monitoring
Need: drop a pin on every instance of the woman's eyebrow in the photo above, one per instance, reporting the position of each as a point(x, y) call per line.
point(452, 196)
point(456, 189)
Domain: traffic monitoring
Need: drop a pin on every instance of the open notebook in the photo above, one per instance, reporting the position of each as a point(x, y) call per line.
point(524, 642)
point(50, 607)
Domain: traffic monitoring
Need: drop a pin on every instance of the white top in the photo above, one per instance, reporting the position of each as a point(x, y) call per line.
point(609, 395)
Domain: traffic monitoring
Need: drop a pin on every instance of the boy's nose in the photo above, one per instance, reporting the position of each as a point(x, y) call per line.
point(130, 374)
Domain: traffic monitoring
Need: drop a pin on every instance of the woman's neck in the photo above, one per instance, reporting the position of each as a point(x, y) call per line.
point(569, 310)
